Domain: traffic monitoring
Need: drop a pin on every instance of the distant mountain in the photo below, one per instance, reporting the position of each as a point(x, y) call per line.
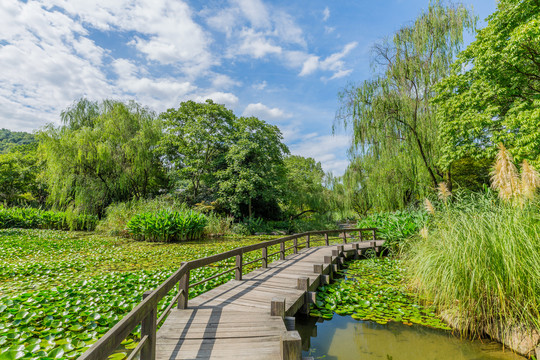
point(9, 138)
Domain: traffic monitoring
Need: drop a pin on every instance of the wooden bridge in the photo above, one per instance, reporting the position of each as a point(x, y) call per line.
point(246, 318)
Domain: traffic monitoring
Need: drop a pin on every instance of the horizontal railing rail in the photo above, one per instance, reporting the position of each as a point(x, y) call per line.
point(145, 313)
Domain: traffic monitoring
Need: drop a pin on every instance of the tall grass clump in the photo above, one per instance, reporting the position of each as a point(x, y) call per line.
point(31, 218)
point(479, 257)
point(167, 226)
point(117, 215)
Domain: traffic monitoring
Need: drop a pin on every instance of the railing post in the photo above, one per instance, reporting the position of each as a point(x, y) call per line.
point(264, 257)
point(291, 346)
point(148, 328)
point(295, 243)
point(360, 235)
point(238, 271)
point(277, 307)
point(307, 241)
point(326, 239)
point(282, 250)
point(344, 237)
point(183, 285)
point(374, 234)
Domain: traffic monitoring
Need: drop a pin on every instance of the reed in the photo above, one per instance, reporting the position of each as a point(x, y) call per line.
point(480, 263)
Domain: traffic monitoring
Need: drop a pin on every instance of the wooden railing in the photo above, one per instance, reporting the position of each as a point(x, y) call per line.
point(145, 313)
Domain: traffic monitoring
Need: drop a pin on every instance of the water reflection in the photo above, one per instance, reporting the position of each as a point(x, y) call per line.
point(345, 338)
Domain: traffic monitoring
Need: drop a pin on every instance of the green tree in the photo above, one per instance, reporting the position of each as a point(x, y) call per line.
point(103, 152)
point(253, 179)
point(9, 139)
point(395, 131)
point(195, 141)
point(493, 93)
point(305, 191)
point(20, 183)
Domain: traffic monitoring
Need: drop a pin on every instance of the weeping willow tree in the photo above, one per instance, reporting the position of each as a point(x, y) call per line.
point(102, 153)
point(395, 132)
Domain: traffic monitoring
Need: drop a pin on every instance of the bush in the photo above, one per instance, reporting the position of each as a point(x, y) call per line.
point(117, 215)
point(395, 227)
point(167, 226)
point(218, 225)
point(478, 261)
point(30, 218)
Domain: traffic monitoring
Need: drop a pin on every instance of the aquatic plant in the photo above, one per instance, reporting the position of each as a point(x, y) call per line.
point(373, 290)
point(167, 226)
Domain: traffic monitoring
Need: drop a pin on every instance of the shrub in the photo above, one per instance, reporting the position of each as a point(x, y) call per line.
point(395, 227)
point(30, 218)
point(478, 260)
point(218, 225)
point(117, 215)
point(166, 225)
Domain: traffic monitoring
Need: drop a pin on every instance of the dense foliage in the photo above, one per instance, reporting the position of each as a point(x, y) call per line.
point(394, 227)
point(20, 182)
point(373, 290)
point(101, 154)
point(167, 226)
point(393, 123)
point(493, 93)
point(9, 139)
point(30, 218)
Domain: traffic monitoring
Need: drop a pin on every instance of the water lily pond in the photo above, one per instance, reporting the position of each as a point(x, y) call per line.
point(370, 314)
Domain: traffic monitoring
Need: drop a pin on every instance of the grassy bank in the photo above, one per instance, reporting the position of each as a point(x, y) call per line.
point(478, 261)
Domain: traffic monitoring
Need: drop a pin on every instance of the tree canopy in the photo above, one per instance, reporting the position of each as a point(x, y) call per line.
point(492, 95)
point(394, 127)
point(103, 152)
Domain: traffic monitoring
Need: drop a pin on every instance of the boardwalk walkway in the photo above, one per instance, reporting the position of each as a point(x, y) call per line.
point(235, 320)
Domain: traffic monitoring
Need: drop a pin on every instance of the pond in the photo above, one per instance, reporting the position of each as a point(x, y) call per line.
point(344, 338)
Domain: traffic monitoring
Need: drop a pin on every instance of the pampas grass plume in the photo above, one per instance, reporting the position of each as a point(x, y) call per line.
point(429, 207)
point(530, 180)
point(504, 176)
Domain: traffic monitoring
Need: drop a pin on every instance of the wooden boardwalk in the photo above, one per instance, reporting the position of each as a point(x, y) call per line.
point(244, 319)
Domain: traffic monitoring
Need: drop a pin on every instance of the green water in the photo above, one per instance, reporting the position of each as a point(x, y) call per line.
point(344, 338)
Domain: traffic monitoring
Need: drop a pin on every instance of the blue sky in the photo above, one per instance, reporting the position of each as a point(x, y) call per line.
point(282, 61)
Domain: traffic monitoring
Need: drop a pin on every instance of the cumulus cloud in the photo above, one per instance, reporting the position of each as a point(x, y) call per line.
point(329, 150)
point(333, 63)
point(326, 13)
point(263, 112)
point(228, 99)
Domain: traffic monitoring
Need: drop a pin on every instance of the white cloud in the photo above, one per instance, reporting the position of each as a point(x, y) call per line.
point(254, 44)
point(222, 81)
point(255, 11)
point(46, 64)
point(154, 92)
point(260, 86)
point(228, 99)
point(263, 112)
point(329, 29)
point(329, 150)
point(310, 65)
point(166, 30)
point(326, 13)
point(333, 63)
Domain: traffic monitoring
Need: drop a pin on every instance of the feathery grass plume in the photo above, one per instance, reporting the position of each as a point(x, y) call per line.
point(443, 191)
point(530, 180)
point(424, 232)
point(429, 207)
point(504, 175)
